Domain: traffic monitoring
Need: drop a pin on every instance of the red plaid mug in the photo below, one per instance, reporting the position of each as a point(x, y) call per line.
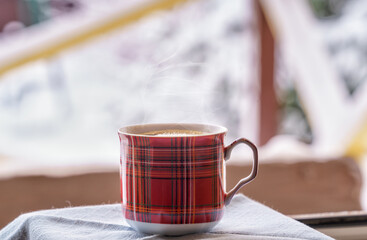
point(175, 184)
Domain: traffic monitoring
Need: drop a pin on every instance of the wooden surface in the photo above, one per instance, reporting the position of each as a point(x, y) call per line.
point(268, 102)
point(302, 187)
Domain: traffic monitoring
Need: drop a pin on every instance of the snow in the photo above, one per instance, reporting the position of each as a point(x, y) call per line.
point(193, 64)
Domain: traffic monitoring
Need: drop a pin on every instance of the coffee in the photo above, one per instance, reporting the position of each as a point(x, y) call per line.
point(172, 176)
point(174, 132)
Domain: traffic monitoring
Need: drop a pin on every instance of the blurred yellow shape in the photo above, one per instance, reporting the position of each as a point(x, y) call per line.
point(358, 146)
point(77, 38)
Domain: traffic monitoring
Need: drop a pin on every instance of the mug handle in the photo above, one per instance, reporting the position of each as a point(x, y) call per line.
point(255, 165)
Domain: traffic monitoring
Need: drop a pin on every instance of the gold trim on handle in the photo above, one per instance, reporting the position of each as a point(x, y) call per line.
point(255, 166)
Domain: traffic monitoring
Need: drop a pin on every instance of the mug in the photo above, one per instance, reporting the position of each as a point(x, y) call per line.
point(175, 184)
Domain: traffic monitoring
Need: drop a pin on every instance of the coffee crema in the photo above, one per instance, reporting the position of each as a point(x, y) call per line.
point(174, 133)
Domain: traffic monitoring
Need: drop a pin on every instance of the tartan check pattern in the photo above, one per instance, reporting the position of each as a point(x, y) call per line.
point(172, 180)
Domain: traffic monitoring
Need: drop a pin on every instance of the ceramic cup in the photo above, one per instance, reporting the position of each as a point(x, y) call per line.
point(175, 184)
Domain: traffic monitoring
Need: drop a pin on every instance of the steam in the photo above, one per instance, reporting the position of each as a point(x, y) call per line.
point(174, 94)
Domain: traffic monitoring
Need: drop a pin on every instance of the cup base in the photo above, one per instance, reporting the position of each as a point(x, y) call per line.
point(170, 229)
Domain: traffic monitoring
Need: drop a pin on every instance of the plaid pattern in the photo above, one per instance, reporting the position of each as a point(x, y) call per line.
point(172, 180)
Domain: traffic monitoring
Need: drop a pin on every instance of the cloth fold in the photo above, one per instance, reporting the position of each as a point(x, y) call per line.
point(243, 219)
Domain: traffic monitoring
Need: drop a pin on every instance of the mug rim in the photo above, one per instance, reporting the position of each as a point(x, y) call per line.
point(194, 126)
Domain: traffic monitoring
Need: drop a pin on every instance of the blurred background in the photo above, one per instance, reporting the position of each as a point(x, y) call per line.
point(288, 75)
point(190, 64)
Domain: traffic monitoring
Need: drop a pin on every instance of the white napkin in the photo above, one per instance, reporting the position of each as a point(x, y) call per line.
point(243, 219)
